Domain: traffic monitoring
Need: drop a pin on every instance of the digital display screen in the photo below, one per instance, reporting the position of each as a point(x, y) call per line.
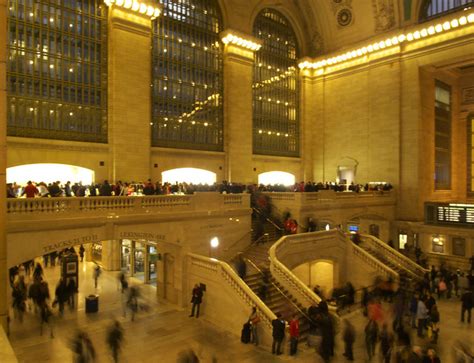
point(449, 213)
point(353, 228)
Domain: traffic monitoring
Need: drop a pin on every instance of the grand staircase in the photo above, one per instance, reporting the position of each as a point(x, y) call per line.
point(409, 271)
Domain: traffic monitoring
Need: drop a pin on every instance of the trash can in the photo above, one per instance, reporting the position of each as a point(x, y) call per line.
point(92, 303)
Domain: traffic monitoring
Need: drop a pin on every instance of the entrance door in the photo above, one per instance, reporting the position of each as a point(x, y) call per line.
point(139, 261)
point(170, 293)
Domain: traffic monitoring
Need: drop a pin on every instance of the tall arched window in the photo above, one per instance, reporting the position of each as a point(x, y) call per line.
point(275, 87)
point(433, 8)
point(57, 69)
point(187, 109)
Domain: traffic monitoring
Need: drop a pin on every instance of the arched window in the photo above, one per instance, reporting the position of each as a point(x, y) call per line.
point(187, 109)
point(275, 87)
point(57, 69)
point(433, 8)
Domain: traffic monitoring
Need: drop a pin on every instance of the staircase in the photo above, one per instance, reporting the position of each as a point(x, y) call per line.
point(278, 300)
point(407, 276)
point(270, 229)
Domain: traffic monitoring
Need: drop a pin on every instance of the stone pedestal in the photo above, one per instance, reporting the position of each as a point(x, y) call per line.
point(129, 96)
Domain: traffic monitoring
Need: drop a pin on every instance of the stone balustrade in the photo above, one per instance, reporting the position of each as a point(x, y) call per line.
point(231, 289)
point(330, 196)
point(53, 207)
point(395, 257)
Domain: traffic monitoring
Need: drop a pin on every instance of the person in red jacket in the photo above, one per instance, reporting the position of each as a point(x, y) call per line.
point(294, 334)
point(30, 190)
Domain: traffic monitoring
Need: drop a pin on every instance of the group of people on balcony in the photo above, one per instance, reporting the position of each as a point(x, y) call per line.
point(68, 189)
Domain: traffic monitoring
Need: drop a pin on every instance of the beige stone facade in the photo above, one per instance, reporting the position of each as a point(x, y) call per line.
point(378, 110)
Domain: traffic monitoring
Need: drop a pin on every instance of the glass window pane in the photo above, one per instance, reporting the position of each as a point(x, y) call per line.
point(187, 109)
point(275, 87)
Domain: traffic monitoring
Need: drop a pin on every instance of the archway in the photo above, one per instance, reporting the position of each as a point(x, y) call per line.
point(49, 172)
point(276, 177)
point(318, 273)
point(188, 175)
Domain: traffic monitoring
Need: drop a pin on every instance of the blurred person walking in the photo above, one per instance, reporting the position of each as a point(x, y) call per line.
point(82, 348)
point(294, 334)
point(115, 339)
point(348, 336)
point(96, 275)
point(371, 335)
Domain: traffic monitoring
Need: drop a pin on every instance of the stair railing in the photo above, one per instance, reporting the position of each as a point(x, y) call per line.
point(373, 262)
point(281, 272)
point(227, 276)
point(279, 290)
point(396, 257)
point(256, 210)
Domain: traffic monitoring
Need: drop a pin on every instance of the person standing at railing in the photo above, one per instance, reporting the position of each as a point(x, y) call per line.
point(30, 190)
point(254, 321)
point(294, 334)
point(278, 325)
point(196, 300)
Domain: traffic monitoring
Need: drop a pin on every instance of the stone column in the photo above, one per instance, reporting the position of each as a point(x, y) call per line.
point(307, 102)
point(3, 164)
point(129, 95)
point(238, 68)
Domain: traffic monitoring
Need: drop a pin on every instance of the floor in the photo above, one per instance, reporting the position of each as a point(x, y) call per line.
point(161, 333)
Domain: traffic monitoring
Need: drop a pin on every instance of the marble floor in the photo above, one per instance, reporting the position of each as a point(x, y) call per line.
point(159, 334)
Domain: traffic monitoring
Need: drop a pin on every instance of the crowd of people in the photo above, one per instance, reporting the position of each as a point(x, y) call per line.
point(106, 189)
point(31, 294)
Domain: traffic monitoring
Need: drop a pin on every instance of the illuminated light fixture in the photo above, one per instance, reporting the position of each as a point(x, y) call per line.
point(136, 6)
point(415, 35)
point(240, 40)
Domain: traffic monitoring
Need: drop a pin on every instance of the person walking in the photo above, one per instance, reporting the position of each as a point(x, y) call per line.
point(72, 292)
point(132, 301)
point(115, 339)
point(82, 348)
point(348, 336)
point(421, 316)
point(81, 252)
point(467, 300)
point(371, 334)
point(96, 275)
point(196, 299)
point(278, 334)
point(19, 295)
point(254, 321)
point(61, 295)
point(386, 342)
point(294, 334)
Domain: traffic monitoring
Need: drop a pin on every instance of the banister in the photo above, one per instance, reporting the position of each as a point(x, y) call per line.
point(264, 312)
point(279, 290)
point(408, 263)
point(268, 220)
point(375, 262)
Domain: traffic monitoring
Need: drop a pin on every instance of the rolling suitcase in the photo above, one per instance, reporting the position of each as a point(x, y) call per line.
point(245, 337)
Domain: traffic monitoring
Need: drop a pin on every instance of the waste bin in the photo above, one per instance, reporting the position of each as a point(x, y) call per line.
point(92, 303)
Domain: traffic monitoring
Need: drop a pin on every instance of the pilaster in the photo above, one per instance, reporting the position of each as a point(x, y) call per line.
point(129, 79)
point(3, 163)
point(238, 68)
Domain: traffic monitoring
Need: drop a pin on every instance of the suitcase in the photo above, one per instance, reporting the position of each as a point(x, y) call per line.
point(246, 331)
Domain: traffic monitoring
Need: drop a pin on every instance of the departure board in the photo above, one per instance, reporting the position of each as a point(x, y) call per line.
point(449, 213)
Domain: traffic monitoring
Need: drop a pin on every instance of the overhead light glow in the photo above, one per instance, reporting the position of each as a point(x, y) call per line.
point(276, 177)
point(390, 42)
point(136, 6)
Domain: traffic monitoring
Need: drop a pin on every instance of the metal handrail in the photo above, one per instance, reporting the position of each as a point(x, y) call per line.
point(268, 219)
point(279, 290)
point(240, 239)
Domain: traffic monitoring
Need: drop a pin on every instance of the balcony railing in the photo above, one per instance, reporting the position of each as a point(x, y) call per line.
point(44, 207)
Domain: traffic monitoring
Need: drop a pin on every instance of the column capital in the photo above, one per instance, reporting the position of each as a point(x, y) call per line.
point(132, 15)
point(240, 44)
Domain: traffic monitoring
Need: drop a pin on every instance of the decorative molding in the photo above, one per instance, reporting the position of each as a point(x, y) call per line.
point(384, 15)
point(70, 146)
point(342, 9)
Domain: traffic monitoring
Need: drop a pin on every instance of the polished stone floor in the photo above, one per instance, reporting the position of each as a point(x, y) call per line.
point(159, 334)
